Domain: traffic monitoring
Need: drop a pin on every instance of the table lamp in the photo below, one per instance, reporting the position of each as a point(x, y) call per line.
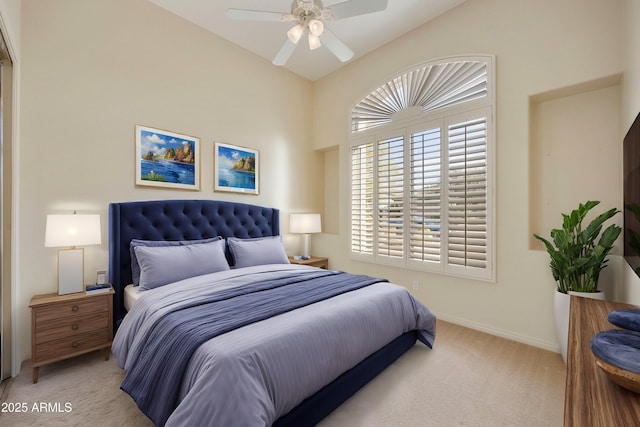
point(71, 231)
point(306, 224)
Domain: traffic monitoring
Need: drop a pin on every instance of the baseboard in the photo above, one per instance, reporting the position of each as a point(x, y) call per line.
point(546, 345)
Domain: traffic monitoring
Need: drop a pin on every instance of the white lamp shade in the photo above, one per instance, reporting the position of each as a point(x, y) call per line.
point(305, 223)
point(72, 230)
point(316, 27)
point(314, 42)
point(295, 33)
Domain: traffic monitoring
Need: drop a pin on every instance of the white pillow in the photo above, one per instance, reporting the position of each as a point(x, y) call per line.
point(161, 265)
point(258, 251)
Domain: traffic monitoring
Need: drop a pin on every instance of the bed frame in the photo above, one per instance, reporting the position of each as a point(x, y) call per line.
point(202, 219)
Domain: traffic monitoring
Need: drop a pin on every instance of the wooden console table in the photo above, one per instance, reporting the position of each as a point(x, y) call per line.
point(591, 398)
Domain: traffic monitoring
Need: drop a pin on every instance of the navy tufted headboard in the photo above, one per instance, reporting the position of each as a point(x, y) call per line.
point(177, 220)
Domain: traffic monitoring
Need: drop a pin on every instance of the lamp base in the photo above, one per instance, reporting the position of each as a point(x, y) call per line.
point(306, 240)
point(70, 271)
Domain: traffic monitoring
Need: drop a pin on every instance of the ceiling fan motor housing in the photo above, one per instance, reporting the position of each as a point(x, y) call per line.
point(305, 10)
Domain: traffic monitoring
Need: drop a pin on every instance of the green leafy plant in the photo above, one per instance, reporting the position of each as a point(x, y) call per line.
point(577, 256)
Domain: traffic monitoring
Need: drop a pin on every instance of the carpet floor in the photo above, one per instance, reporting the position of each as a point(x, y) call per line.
point(469, 379)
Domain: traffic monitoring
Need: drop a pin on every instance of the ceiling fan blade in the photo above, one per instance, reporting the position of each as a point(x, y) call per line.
point(285, 52)
point(255, 15)
point(351, 8)
point(336, 46)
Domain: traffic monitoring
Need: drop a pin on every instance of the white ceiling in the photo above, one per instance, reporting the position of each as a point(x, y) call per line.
point(362, 34)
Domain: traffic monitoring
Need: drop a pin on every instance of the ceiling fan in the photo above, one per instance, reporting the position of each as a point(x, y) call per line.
point(309, 16)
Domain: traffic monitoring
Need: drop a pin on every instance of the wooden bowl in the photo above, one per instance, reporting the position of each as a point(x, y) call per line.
point(625, 379)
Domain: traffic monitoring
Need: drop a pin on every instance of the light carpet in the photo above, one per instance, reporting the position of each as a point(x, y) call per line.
point(469, 379)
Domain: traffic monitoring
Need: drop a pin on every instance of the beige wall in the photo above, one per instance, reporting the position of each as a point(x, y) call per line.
point(92, 70)
point(540, 46)
point(571, 136)
point(631, 81)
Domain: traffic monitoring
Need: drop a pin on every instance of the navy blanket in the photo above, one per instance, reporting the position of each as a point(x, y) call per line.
point(154, 381)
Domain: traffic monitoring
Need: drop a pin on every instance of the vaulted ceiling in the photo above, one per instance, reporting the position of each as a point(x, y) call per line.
point(362, 34)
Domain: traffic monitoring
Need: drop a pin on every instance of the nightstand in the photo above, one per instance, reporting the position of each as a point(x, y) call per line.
point(313, 261)
point(64, 326)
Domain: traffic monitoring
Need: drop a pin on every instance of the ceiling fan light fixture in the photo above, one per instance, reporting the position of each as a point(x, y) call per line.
point(314, 41)
point(295, 33)
point(316, 27)
point(308, 16)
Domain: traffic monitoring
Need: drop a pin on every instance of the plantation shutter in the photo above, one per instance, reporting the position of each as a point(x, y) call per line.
point(422, 167)
point(467, 194)
point(430, 87)
point(391, 197)
point(425, 196)
point(362, 199)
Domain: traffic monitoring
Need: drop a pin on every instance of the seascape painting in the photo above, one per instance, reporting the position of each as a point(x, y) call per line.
point(167, 159)
point(236, 169)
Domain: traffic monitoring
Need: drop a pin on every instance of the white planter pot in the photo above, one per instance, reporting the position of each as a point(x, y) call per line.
point(561, 303)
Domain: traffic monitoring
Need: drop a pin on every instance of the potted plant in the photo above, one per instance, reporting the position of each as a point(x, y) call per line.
point(577, 256)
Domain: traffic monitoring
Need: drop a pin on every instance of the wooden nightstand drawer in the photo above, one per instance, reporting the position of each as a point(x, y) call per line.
point(64, 347)
point(60, 328)
point(69, 309)
point(64, 326)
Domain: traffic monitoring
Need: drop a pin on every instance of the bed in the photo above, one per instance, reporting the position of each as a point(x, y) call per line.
point(217, 360)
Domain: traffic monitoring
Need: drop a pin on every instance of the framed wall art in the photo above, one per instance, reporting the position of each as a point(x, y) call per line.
point(167, 159)
point(236, 169)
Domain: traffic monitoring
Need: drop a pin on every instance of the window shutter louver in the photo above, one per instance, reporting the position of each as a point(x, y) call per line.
point(391, 197)
point(467, 194)
point(426, 193)
point(362, 199)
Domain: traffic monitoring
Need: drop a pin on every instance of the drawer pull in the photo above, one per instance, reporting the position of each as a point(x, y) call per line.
point(75, 308)
point(75, 344)
point(74, 326)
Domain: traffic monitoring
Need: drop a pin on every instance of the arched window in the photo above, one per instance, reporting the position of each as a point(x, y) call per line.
point(422, 165)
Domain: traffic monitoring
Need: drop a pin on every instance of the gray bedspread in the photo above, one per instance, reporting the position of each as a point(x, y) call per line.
point(256, 373)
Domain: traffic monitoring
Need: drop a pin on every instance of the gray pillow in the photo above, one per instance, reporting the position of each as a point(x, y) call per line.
point(258, 251)
point(161, 265)
point(135, 268)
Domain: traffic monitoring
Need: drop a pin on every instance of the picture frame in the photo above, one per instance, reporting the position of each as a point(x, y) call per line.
point(237, 169)
point(167, 159)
